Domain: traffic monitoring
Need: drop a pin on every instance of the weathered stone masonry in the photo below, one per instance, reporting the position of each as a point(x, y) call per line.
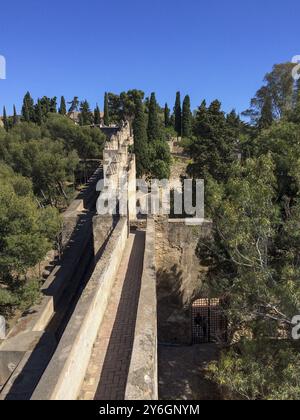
point(179, 276)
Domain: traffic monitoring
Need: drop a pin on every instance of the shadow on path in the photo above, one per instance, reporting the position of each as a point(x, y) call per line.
point(116, 364)
point(182, 373)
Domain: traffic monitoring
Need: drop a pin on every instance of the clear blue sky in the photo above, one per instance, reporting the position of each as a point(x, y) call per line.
point(209, 49)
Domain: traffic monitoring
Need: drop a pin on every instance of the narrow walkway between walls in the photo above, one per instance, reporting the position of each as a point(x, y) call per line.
point(107, 372)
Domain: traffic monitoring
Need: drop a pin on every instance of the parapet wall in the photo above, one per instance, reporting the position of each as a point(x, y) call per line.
point(65, 373)
point(142, 382)
point(29, 344)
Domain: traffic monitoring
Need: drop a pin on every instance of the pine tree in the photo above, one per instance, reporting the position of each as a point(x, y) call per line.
point(15, 117)
point(74, 104)
point(167, 116)
point(28, 112)
point(45, 104)
point(214, 148)
point(186, 118)
point(97, 116)
point(201, 127)
point(53, 105)
point(178, 116)
point(106, 110)
point(63, 107)
point(140, 140)
point(234, 121)
point(153, 130)
point(86, 116)
point(5, 120)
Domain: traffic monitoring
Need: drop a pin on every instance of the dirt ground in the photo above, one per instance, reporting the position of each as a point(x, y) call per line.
point(182, 373)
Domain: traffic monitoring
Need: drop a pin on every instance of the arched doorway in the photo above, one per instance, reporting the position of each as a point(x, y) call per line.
point(208, 321)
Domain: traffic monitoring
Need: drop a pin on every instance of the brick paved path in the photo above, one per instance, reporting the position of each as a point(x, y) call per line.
point(108, 369)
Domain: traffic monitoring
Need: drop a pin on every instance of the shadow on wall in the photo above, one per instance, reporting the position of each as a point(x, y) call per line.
point(174, 313)
point(66, 286)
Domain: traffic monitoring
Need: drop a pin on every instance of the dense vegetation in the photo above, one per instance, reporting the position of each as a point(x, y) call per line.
point(151, 135)
point(251, 171)
point(42, 156)
point(151, 132)
point(27, 233)
point(252, 195)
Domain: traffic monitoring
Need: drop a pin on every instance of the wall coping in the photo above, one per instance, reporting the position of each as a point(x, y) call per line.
point(142, 381)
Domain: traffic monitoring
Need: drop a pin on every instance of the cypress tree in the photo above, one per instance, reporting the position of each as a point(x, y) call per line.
point(25, 112)
point(186, 117)
point(4, 119)
point(140, 140)
point(28, 112)
point(106, 110)
point(172, 120)
point(267, 117)
point(167, 115)
point(97, 116)
point(38, 113)
point(63, 107)
point(177, 113)
point(15, 117)
point(153, 121)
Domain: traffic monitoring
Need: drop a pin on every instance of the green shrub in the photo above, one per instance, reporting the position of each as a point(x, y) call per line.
point(259, 370)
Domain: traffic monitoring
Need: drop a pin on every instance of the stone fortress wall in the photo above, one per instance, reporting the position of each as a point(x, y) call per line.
point(28, 347)
point(63, 378)
point(65, 373)
point(119, 168)
point(170, 280)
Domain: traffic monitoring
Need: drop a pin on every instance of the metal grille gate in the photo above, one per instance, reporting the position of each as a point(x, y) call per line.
point(208, 321)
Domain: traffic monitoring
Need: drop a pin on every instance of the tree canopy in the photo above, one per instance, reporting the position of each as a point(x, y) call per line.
point(27, 233)
point(252, 179)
